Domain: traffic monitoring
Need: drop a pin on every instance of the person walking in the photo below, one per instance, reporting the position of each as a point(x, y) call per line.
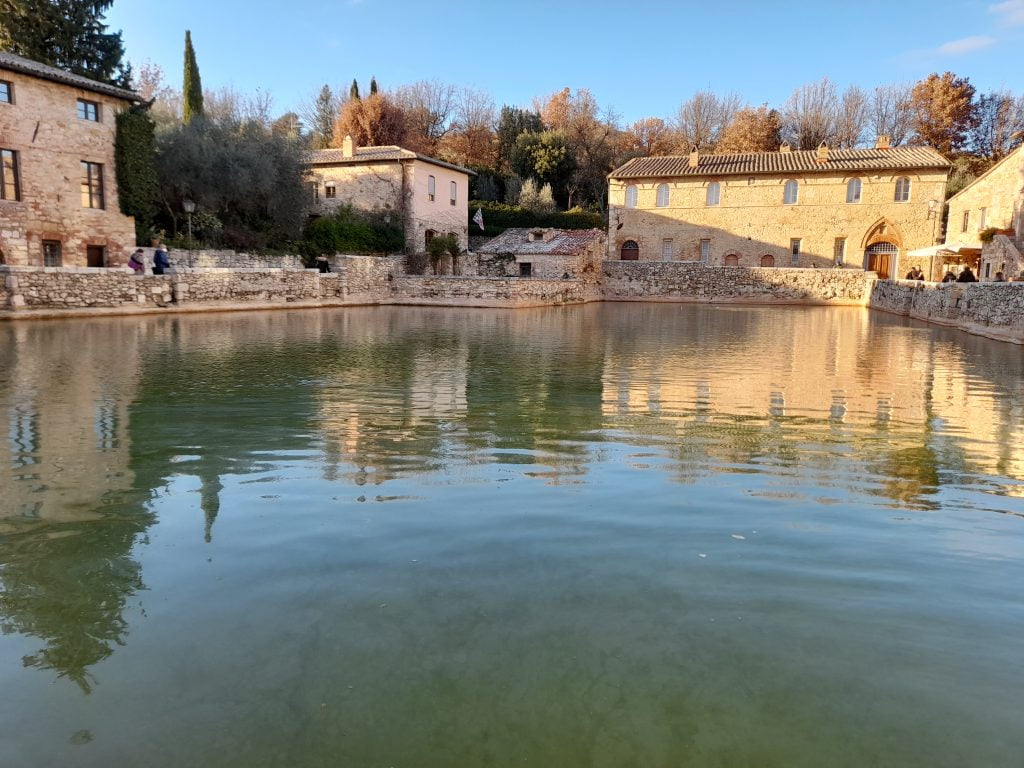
point(160, 260)
point(137, 262)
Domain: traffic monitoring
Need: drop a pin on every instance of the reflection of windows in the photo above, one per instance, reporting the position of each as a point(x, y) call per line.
point(106, 425)
point(631, 196)
point(902, 189)
point(662, 201)
point(23, 434)
point(790, 192)
point(853, 191)
point(714, 196)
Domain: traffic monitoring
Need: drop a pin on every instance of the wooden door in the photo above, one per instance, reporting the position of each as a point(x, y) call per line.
point(95, 256)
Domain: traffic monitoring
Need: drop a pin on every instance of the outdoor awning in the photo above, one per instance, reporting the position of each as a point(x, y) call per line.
point(934, 250)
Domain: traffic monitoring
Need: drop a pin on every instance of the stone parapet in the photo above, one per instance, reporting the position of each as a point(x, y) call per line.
point(700, 283)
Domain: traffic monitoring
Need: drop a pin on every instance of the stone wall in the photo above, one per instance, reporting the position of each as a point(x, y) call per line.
point(227, 259)
point(995, 310)
point(491, 291)
point(679, 281)
point(999, 192)
point(1001, 255)
point(42, 126)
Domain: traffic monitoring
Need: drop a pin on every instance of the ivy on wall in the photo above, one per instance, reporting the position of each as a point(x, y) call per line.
point(134, 153)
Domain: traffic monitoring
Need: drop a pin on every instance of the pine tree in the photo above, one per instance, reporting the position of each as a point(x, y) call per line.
point(69, 34)
point(353, 92)
point(192, 89)
point(325, 112)
point(373, 86)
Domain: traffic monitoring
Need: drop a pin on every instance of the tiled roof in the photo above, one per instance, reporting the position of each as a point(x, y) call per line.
point(376, 154)
point(13, 63)
point(796, 161)
point(566, 242)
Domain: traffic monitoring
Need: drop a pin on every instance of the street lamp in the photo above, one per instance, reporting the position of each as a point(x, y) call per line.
point(190, 208)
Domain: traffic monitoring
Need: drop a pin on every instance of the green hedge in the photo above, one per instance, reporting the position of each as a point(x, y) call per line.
point(349, 230)
point(500, 216)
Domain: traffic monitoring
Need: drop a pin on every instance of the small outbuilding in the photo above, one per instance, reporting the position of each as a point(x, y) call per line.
point(543, 252)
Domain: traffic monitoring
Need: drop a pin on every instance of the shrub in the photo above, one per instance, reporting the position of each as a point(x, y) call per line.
point(416, 263)
point(349, 230)
point(986, 235)
point(500, 216)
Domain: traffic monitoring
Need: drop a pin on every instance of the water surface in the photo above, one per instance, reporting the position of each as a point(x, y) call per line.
point(615, 535)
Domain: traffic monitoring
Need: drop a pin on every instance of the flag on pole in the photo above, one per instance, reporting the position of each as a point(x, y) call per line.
point(478, 218)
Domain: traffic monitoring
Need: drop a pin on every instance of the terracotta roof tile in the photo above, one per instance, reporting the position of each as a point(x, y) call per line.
point(376, 154)
point(565, 242)
point(797, 161)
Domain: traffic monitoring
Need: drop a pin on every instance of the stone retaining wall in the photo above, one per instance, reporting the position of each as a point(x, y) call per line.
point(700, 283)
point(226, 259)
point(995, 310)
point(491, 291)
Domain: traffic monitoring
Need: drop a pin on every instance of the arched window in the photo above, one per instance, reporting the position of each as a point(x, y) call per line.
point(631, 196)
point(767, 260)
point(662, 196)
point(902, 189)
point(790, 192)
point(853, 187)
point(714, 193)
point(630, 251)
point(428, 236)
point(732, 260)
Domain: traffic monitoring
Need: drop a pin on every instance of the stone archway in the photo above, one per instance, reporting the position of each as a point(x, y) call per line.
point(732, 260)
point(767, 260)
point(882, 245)
point(630, 251)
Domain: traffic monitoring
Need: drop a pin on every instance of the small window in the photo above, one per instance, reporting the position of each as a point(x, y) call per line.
point(662, 196)
point(6, 92)
point(982, 215)
point(902, 189)
point(431, 188)
point(714, 196)
point(853, 187)
point(794, 249)
point(966, 221)
point(767, 260)
point(453, 192)
point(666, 249)
point(839, 251)
point(705, 250)
point(790, 192)
point(330, 190)
point(51, 253)
point(314, 188)
point(525, 269)
point(92, 185)
point(631, 196)
point(988, 270)
point(9, 186)
point(630, 251)
point(88, 110)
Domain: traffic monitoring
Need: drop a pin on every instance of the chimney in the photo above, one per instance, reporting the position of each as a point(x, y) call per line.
point(348, 147)
point(785, 148)
point(694, 157)
point(882, 142)
point(822, 154)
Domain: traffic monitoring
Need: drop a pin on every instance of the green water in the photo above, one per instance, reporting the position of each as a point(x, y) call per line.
point(615, 535)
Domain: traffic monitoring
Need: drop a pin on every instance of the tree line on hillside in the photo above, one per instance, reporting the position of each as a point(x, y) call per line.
point(241, 161)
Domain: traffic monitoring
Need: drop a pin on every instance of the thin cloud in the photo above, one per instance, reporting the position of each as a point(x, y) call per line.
point(965, 45)
point(1012, 11)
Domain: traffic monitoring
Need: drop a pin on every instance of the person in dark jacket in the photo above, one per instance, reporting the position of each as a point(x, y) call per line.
point(949, 277)
point(160, 260)
point(967, 276)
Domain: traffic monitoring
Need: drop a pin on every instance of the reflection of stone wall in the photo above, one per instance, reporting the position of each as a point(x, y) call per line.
point(491, 291)
point(995, 310)
point(675, 281)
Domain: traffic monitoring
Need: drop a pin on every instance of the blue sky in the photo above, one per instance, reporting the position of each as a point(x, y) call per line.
point(640, 57)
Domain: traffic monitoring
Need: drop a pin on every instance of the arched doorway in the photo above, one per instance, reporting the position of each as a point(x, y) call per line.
point(630, 251)
point(428, 236)
point(881, 258)
point(732, 260)
point(767, 260)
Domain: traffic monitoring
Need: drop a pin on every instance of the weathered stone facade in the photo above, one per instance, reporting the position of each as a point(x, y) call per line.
point(50, 142)
point(993, 200)
point(699, 283)
point(491, 291)
point(1002, 254)
point(679, 214)
point(428, 196)
point(543, 252)
point(995, 310)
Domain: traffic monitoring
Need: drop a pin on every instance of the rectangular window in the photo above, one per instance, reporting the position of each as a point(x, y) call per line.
point(92, 185)
point(983, 214)
point(666, 249)
point(966, 222)
point(705, 250)
point(330, 191)
point(88, 110)
point(431, 188)
point(453, 193)
point(315, 189)
point(51, 253)
point(839, 251)
point(794, 249)
point(525, 269)
point(6, 92)
point(9, 188)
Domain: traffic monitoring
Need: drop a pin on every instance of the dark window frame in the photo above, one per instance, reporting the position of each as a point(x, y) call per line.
point(92, 186)
point(8, 86)
point(49, 247)
point(15, 180)
point(89, 110)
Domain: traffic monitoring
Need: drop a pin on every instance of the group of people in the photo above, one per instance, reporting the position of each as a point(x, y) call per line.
point(966, 276)
point(161, 261)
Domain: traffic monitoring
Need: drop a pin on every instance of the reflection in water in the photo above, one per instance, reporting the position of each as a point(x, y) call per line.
point(110, 423)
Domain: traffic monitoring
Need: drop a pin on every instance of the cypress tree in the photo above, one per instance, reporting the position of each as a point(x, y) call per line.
point(192, 89)
point(373, 86)
point(353, 92)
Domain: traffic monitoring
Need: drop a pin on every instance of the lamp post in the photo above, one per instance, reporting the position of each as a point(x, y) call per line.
point(190, 207)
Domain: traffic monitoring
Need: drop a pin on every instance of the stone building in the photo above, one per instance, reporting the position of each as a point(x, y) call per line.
point(58, 188)
point(993, 201)
point(550, 253)
point(429, 196)
point(856, 208)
